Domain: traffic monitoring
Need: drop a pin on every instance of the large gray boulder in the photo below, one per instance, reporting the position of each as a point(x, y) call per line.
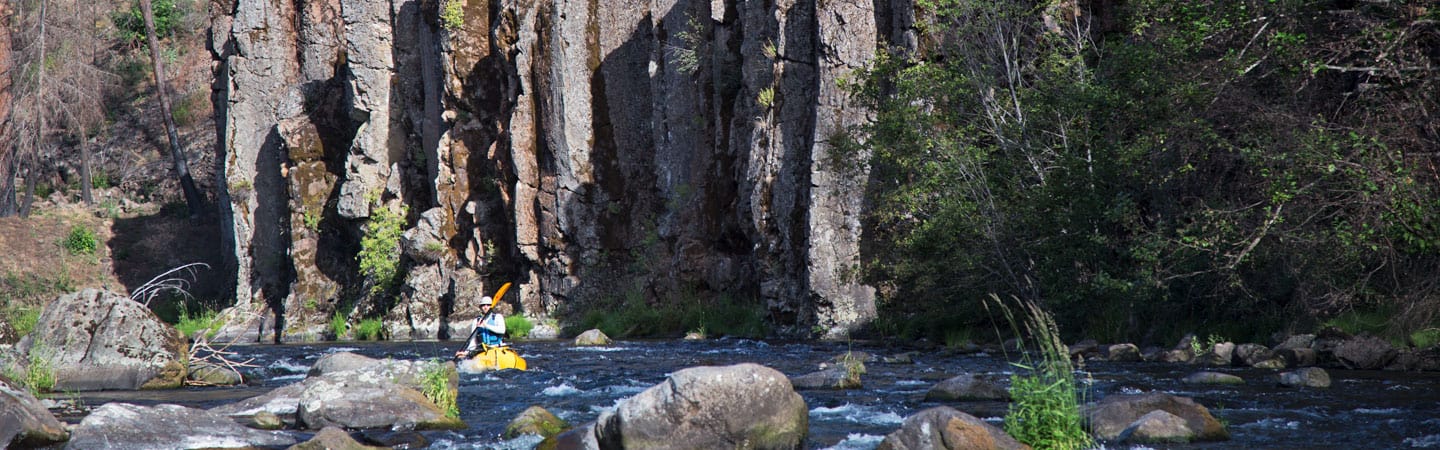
point(100, 340)
point(408, 373)
point(944, 427)
point(354, 391)
point(709, 407)
point(24, 421)
point(331, 438)
point(123, 425)
point(967, 387)
point(359, 400)
point(1365, 353)
point(1112, 415)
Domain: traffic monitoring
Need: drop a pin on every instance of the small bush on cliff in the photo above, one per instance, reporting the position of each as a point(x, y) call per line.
point(338, 327)
point(452, 14)
point(21, 318)
point(380, 247)
point(131, 23)
point(38, 376)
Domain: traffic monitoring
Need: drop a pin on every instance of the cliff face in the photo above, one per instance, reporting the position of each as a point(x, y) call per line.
point(586, 150)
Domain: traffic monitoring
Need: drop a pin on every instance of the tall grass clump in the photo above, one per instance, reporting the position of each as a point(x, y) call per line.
point(22, 318)
point(518, 326)
point(1045, 407)
point(371, 329)
point(38, 374)
point(338, 327)
point(207, 322)
point(436, 383)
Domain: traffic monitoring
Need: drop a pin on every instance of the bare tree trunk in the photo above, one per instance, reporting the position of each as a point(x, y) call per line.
point(85, 172)
point(32, 172)
point(7, 151)
point(182, 168)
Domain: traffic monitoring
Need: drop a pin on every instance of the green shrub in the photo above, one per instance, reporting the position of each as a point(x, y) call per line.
point(518, 326)
point(338, 327)
point(1425, 338)
point(206, 321)
point(380, 247)
point(371, 329)
point(21, 318)
point(38, 376)
point(99, 180)
point(1045, 407)
point(130, 24)
point(452, 14)
point(1361, 322)
point(436, 383)
point(80, 241)
point(635, 317)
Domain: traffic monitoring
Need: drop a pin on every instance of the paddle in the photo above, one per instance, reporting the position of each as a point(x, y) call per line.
point(493, 301)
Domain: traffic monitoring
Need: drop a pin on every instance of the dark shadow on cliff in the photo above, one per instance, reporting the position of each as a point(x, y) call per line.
point(144, 247)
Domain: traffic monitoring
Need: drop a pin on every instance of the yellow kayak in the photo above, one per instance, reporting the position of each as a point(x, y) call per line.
point(495, 358)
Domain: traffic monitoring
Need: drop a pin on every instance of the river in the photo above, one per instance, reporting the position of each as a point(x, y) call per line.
point(1362, 409)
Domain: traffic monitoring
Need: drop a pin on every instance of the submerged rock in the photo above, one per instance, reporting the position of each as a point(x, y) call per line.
point(535, 420)
point(331, 438)
point(947, 428)
point(831, 378)
point(1157, 427)
point(967, 387)
point(1213, 378)
point(123, 425)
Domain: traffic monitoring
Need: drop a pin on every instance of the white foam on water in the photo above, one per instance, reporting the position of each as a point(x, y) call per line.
point(564, 389)
point(1431, 441)
point(1274, 423)
point(341, 349)
point(911, 383)
point(1379, 410)
point(857, 441)
point(286, 365)
point(858, 414)
point(630, 389)
point(600, 349)
point(1131, 390)
point(1398, 387)
point(298, 376)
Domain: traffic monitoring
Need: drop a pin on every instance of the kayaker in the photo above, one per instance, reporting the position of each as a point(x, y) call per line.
point(489, 330)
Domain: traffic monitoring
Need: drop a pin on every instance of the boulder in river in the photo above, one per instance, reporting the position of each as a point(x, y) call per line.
point(1157, 427)
point(1365, 353)
point(593, 337)
point(1121, 352)
point(944, 427)
point(831, 378)
point(331, 438)
point(1252, 354)
point(1213, 378)
point(356, 400)
point(535, 420)
point(24, 421)
point(100, 340)
point(1112, 415)
point(967, 387)
point(1312, 377)
point(709, 407)
point(123, 425)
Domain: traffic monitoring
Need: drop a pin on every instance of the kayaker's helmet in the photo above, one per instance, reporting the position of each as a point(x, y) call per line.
point(486, 301)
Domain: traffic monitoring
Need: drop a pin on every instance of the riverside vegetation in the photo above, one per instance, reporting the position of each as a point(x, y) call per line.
point(1147, 168)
